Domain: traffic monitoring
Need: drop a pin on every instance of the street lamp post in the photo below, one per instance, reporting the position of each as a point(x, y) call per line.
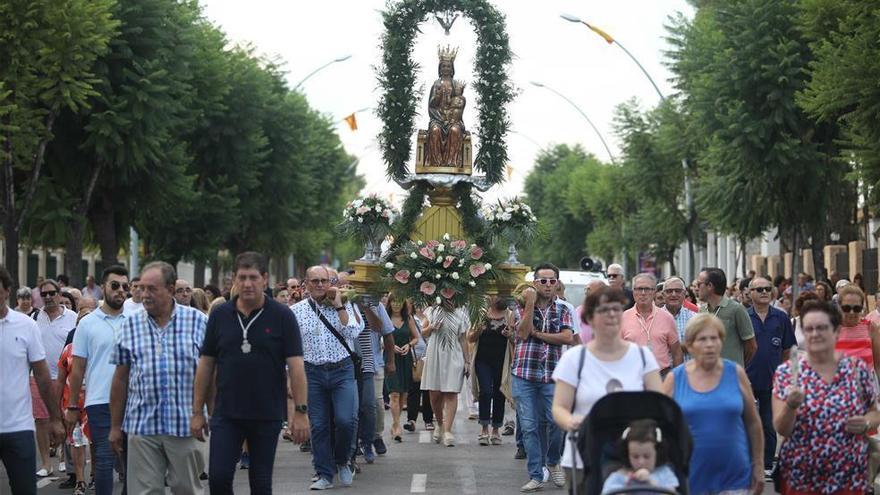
point(583, 114)
point(688, 195)
point(319, 69)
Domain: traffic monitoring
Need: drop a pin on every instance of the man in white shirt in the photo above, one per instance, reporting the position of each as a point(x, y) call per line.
point(92, 290)
point(21, 350)
point(54, 322)
point(134, 303)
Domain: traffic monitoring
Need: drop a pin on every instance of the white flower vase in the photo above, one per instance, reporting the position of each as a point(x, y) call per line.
point(511, 254)
point(373, 248)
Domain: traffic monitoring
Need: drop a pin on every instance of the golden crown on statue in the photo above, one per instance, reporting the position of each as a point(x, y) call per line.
point(447, 54)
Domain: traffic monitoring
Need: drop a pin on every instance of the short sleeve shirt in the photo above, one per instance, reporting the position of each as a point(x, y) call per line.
point(54, 334)
point(534, 360)
point(738, 328)
point(252, 385)
point(95, 341)
point(773, 336)
point(20, 345)
point(657, 331)
point(598, 378)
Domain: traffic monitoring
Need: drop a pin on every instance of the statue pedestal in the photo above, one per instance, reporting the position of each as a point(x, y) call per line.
point(442, 217)
point(366, 278)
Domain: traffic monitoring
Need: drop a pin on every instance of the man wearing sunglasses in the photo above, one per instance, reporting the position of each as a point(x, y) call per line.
point(55, 322)
point(617, 280)
point(543, 326)
point(775, 337)
point(93, 345)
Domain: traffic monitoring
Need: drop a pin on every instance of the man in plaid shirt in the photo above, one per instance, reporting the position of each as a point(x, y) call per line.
point(544, 326)
point(156, 356)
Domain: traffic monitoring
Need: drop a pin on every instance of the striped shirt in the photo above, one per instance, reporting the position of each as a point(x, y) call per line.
point(365, 343)
point(162, 365)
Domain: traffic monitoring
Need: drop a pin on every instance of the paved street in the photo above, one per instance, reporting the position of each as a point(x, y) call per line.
point(414, 466)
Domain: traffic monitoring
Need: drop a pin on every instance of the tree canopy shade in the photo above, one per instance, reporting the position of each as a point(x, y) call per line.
point(47, 53)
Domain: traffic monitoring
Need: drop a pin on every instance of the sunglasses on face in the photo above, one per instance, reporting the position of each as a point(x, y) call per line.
point(846, 308)
point(545, 281)
point(613, 275)
point(114, 285)
point(761, 289)
point(49, 293)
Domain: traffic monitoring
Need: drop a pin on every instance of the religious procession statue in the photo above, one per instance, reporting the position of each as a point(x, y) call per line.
point(446, 102)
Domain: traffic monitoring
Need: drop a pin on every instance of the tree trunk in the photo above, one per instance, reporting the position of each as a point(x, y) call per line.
point(671, 257)
point(199, 273)
point(215, 271)
point(10, 234)
point(742, 248)
point(102, 216)
point(795, 267)
point(73, 251)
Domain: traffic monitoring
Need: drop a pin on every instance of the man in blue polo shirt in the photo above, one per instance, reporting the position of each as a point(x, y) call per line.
point(249, 340)
point(775, 337)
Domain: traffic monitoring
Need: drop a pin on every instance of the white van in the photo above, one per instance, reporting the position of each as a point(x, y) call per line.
point(575, 282)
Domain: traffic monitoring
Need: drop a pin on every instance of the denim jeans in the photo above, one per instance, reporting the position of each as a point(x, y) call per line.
point(542, 439)
point(105, 458)
point(226, 438)
point(366, 431)
point(491, 399)
point(762, 397)
point(332, 392)
point(18, 453)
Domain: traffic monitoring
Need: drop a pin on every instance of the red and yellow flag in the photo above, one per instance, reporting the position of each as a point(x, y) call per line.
point(601, 33)
point(352, 122)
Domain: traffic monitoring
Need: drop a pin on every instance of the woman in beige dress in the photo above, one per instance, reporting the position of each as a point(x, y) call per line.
point(446, 362)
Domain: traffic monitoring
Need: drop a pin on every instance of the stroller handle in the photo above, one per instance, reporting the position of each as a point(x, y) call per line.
point(659, 490)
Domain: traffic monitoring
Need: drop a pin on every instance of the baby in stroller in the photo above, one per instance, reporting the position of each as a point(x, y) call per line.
point(644, 459)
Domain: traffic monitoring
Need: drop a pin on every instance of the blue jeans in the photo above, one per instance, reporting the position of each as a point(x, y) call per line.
point(18, 453)
point(332, 392)
point(105, 458)
point(366, 431)
point(542, 439)
point(226, 438)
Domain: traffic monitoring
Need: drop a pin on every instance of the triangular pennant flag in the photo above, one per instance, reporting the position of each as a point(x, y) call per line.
point(352, 122)
point(601, 33)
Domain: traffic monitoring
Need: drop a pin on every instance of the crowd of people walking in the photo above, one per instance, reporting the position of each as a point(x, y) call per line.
point(162, 384)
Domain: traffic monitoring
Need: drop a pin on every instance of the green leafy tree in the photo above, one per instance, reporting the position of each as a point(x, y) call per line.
point(47, 52)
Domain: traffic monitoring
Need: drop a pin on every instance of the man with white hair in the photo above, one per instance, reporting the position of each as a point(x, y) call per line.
point(673, 289)
point(647, 325)
point(617, 280)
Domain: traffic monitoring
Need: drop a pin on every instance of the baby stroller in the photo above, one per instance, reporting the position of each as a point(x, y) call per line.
point(599, 436)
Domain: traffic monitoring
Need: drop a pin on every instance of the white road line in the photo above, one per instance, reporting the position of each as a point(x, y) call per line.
point(45, 482)
point(419, 481)
point(424, 437)
point(468, 479)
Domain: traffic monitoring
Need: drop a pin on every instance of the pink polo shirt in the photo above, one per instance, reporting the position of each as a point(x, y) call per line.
point(660, 325)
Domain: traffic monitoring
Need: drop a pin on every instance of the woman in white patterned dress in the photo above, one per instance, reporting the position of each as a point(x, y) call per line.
point(446, 362)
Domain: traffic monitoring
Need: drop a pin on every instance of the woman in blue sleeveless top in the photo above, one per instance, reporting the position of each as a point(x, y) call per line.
point(718, 404)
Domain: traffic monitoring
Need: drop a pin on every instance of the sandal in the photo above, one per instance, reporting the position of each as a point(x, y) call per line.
point(495, 439)
point(483, 439)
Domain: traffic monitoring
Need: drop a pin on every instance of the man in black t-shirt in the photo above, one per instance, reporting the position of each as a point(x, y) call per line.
point(249, 341)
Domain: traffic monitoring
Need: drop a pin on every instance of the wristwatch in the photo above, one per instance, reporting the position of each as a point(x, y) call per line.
point(301, 408)
point(340, 308)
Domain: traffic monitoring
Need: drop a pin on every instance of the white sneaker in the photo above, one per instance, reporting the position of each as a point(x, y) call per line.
point(321, 484)
point(62, 467)
point(532, 486)
point(546, 474)
point(557, 475)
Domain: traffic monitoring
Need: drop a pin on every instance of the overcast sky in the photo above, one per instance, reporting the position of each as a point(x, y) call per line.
point(565, 56)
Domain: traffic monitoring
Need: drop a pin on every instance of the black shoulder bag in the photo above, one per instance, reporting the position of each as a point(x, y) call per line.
point(355, 358)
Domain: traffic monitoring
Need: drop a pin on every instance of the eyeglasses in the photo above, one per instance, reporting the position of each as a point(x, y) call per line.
point(817, 329)
point(644, 290)
point(49, 293)
point(545, 281)
point(609, 308)
point(181, 290)
point(761, 289)
point(319, 281)
point(674, 291)
point(614, 275)
point(114, 285)
point(846, 308)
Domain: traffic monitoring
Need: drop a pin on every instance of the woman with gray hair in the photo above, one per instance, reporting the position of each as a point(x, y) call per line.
point(25, 300)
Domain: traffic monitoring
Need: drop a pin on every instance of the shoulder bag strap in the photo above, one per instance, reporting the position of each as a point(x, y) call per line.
point(580, 369)
point(330, 327)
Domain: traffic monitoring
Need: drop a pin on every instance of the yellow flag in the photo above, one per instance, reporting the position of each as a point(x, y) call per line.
point(352, 122)
point(601, 33)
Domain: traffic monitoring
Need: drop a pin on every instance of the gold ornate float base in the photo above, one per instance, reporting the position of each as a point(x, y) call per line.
point(442, 217)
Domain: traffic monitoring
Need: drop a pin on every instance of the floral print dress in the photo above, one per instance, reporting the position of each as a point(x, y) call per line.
point(820, 456)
